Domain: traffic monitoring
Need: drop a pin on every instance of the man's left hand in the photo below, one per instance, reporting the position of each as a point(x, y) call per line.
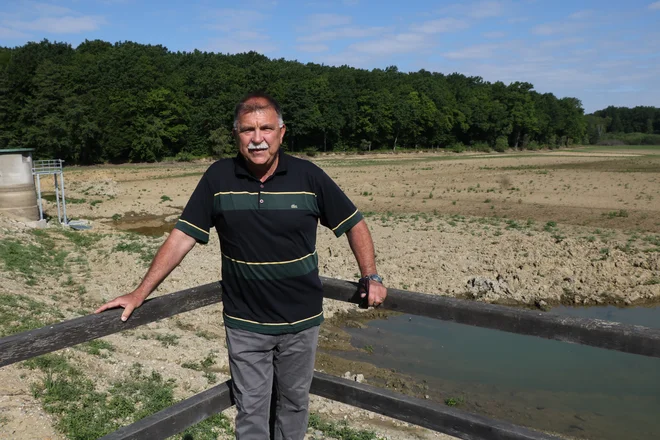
point(377, 293)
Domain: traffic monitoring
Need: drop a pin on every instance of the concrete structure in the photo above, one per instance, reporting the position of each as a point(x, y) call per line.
point(18, 198)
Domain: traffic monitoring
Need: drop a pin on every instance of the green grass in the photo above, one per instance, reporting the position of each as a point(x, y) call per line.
point(168, 339)
point(339, 430)
point(611, 148)
point(51, 198)
point(208, 429)
point(94, 347)
point(83, 412)
point(82, 239)
point(32, 259)
point(19, 313)
point(146, 252)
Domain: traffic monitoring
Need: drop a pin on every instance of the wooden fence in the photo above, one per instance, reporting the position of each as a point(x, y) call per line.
point(441, 418)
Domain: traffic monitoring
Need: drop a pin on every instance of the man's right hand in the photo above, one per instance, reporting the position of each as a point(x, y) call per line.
point(129, 302)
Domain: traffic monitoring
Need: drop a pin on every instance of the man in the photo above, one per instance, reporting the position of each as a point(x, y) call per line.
point(265, 206)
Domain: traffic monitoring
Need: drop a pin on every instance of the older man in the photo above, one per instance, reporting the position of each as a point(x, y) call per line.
point(265, 206)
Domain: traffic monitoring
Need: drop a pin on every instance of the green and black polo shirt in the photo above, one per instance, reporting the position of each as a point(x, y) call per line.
point(267, 233)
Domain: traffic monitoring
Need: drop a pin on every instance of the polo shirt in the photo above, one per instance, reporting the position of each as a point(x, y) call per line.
point(267, 232)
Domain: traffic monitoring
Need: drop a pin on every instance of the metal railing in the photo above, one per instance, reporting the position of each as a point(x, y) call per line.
point(54, 167)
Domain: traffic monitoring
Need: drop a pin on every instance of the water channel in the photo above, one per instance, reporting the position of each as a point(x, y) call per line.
point(575, 390)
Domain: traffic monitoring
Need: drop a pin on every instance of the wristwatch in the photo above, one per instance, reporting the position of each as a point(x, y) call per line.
point(375, 277)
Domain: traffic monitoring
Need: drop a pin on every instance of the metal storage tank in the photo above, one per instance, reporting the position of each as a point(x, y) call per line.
point(18, 198)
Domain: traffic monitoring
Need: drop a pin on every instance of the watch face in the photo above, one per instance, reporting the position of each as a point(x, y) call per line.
point(376, 278)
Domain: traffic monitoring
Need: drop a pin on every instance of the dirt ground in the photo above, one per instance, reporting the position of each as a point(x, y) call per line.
point(523, 229)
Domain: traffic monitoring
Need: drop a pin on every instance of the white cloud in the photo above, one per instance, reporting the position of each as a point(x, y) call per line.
point(487, 9)
point(60, 25)
point(561, 42)
point(227, 20)
point(48, 9)
point(480, 51)
point(344, 32)
point(494, 34)
point(655, 6)
point(320, 21)
point(314, 48)
point(441, 25)
point(7, 33)
point(400, 43)
point(558, 28)
point(581, 15)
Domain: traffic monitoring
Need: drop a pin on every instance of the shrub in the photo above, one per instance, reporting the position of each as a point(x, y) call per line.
point(481, 147)
point(184, 156)
point(501, 144)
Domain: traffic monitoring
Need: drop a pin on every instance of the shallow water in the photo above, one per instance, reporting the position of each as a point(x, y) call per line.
point(572, 389)
point(151, 225)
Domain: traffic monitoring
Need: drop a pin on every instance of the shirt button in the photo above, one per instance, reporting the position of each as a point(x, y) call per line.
point(261, 185)
point(261, 200)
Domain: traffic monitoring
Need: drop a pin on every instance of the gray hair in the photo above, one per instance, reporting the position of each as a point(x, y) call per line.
point(254, 102)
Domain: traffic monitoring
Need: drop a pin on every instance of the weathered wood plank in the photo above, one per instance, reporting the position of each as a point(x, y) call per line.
point(36, 342)
point(437, 417)
point(178, 417)
point(595, 332)
point(598, 333)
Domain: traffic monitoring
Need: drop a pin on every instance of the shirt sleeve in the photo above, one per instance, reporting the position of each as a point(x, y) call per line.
point(337, 211)
point(197, 217)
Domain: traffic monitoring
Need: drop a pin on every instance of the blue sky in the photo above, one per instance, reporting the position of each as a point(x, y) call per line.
point(602, 52)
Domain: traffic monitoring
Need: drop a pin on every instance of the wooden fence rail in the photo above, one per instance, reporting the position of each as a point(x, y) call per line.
point(604, 334)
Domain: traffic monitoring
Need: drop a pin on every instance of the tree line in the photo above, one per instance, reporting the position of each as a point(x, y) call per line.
point(104, 102)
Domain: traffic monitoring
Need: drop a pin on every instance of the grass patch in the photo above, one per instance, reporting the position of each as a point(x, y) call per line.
point(72, 200)
point(94, 347)
point(32, 259)
point(339, 430)
point(621, 213)
point(83, 412)
point(454, 401)
point(82, 239)
point(146, 252)
point(208, 429)
point(168, 339)
point(19, 313)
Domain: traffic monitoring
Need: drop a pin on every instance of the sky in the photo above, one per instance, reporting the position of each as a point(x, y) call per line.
point(602, 52)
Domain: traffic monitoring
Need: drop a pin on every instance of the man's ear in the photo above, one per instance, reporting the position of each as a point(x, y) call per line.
point(282, 131)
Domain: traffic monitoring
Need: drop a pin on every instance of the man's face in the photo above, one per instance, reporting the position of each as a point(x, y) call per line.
point(259, 138)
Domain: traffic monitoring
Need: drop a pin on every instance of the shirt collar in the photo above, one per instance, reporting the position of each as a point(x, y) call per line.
point(241, 169)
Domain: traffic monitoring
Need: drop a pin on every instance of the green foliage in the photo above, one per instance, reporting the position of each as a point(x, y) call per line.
point(454, 401)
point(127, 101)
point(501, 144)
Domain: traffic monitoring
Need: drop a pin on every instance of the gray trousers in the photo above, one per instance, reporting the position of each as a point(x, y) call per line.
point(277, 365)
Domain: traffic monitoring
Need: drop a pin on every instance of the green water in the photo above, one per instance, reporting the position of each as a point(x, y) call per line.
point(578, 391)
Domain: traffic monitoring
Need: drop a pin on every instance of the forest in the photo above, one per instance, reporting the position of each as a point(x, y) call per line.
point(127, 102)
